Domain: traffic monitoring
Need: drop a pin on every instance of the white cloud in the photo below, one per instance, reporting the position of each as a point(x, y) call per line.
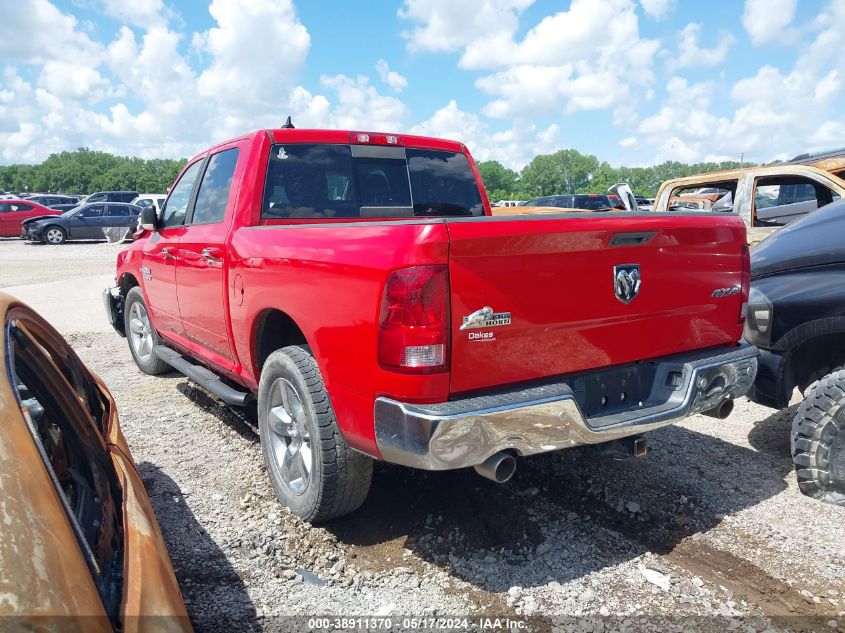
point(658, 9)
point(360, 106)
point(776, 115)
point(448, 25)
point(391, 77)
point(513, 147)
point(74, 81)
point(765, 20)
point(691, 54)
point(257, 50)
point(143, 13)
point(35, 32)
point(628, 141)
point(583, 58)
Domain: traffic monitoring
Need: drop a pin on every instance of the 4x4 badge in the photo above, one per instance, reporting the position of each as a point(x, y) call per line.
point(626, 282)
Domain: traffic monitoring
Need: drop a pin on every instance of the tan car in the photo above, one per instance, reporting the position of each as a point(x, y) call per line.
point(80, 548)
point(765, 197)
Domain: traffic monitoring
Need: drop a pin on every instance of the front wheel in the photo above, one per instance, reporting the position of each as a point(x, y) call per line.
point(54, 235)
point(141, 335)
point(818, 440)
point(313, 470)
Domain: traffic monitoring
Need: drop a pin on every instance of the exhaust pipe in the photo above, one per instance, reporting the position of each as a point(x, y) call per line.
point(722, 410)
point(499, 467)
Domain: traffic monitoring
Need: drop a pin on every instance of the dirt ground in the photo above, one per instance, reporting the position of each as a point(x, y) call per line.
point(709, 531)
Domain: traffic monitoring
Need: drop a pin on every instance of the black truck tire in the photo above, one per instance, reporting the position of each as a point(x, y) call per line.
point(135, 315)
point(314, 472)
point(818, 440)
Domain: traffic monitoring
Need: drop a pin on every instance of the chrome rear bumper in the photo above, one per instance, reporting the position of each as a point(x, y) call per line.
point(467, 431)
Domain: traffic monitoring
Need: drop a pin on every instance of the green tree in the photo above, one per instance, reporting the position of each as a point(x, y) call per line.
point(85, 171)
point(565, 171)
point(499, 181)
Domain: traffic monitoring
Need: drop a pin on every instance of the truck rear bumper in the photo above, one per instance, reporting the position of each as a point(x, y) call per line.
point(466, 431)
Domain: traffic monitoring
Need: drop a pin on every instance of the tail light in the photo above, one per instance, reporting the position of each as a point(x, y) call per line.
point(745, 282)
point(414, 320)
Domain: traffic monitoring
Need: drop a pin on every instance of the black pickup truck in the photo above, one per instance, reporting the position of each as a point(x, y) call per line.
point(796, 316)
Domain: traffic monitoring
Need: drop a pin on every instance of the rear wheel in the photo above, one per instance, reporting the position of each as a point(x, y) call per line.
point(313, 470)
point(818, 440)
point(54, 235)
point(141, 335)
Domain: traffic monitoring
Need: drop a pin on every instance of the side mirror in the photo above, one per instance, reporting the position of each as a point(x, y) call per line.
point(147, 219)
point(623, 191)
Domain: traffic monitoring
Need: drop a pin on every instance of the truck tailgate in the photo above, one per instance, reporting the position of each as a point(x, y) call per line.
point(551, 283)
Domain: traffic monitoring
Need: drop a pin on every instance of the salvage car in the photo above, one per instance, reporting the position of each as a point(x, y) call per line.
point(13, 213)
point(79, 543)
point(796, 316)
point(353, 286)
point(85, 222)
point(766, 198)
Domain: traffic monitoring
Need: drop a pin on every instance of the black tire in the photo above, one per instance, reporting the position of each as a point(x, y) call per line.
point(147, 363)
point(818, 440)
point(61, 234)
point(339, 478)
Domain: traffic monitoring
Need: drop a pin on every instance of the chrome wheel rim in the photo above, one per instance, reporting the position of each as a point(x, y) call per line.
point(140, 332)
point(290, 442)
point(54, 236)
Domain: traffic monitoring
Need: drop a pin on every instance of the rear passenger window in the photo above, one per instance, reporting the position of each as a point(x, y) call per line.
point(118, 210)
point(343, 181)
point(213, 195)
point(443, 183)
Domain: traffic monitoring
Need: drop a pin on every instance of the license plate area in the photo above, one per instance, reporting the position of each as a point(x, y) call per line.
point(611, 391)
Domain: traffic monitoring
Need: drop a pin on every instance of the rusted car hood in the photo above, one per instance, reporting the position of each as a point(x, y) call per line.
point(44, 580)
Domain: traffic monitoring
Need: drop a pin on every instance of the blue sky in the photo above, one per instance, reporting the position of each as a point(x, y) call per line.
point(631, 81)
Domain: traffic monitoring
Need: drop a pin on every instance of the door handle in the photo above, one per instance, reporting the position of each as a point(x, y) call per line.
point(165, 252)
point(211, 255)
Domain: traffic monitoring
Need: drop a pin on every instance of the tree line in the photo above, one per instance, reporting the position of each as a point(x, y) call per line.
point(85, 171)
point(565, 171)
point(570, 171)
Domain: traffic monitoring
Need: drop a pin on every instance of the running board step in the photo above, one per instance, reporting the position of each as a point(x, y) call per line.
point(203, 376)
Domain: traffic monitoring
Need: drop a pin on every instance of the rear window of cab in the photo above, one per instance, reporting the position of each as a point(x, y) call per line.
point(366, 181)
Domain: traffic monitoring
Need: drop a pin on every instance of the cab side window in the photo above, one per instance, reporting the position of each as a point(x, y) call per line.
point(177, 204)
point(779, 200)
point(213, 194)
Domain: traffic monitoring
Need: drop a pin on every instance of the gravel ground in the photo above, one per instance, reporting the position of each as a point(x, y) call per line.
point(709, 526)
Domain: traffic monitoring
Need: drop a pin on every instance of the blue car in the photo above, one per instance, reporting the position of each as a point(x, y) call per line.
point(85, 222)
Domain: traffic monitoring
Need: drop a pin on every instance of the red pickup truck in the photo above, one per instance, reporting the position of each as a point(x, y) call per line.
point(355, 286)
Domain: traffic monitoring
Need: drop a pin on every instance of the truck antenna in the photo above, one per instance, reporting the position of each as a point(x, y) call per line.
point(288, 125)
